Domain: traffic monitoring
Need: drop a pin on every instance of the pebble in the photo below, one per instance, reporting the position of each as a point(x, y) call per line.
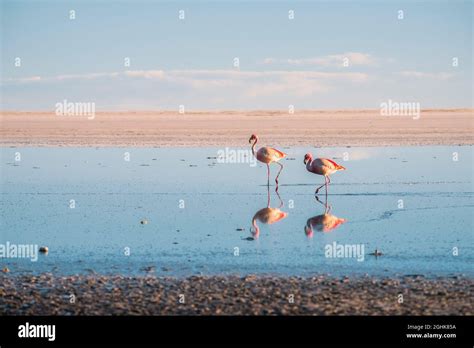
point(233, 295)
point(376, 253)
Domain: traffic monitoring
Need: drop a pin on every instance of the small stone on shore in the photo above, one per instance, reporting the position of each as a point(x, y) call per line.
point(234, 295)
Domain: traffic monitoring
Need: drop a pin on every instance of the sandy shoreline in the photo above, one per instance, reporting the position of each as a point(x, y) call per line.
point(47, 294)
point(233, 128)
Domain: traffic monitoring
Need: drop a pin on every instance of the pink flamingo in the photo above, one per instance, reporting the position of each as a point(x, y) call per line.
point(324, 223)
point(321, 166)
point(267, 155)
point(267, 215)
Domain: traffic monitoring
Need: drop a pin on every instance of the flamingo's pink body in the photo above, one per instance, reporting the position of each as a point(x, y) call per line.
point(323, 223)
point(321, 166)
point(267, 216)
point(267, 155)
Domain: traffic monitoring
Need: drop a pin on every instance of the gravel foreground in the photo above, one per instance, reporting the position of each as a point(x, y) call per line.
point(47, 294)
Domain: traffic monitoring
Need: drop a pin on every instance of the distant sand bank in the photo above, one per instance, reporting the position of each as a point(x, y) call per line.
point(233, 128)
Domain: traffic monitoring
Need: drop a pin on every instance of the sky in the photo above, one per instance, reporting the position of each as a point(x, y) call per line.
point(331, 55)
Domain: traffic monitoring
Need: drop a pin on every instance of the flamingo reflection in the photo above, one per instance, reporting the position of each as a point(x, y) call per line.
point(324, 222)
point(267, 215)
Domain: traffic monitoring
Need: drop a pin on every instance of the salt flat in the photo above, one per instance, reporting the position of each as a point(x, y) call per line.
point(233, 128)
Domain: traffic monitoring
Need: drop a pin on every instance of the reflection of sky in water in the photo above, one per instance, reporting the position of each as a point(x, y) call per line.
point(113, 195)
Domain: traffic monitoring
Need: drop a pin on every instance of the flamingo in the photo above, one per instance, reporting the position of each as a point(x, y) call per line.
point(267, 215)
point(324, 223)
point(321, 166)
point(268, 155)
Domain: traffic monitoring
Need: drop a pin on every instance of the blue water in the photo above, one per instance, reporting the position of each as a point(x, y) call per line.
point(199, 211)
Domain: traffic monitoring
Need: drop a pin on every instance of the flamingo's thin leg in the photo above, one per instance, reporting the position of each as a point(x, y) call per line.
point(327, 206)
point(317, 190)
point(281, 202)
point(268, 196)
point(327, 184)
point(276, 179)
point(268, 175)
point(319, 201)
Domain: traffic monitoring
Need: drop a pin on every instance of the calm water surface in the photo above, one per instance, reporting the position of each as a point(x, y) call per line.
point(413, 204)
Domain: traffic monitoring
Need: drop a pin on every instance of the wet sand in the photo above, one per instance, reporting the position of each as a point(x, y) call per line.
point(264, 295)
point(233, 128)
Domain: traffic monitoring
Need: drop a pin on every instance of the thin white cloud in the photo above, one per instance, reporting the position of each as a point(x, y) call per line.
point(334, 60)
point(23, 79)
point(425, 75)
point(148, 74)
point(246, 84)
point(201, 74)
point(88, 76)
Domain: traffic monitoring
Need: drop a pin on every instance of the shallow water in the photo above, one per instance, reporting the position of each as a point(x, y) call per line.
point(413, 204)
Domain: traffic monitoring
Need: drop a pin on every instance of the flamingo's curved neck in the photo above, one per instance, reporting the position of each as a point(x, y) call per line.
point(308, 164)
point(256, 231)
point(253, 146)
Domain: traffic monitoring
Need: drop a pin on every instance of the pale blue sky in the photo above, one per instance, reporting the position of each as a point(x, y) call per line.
point(190, 62)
